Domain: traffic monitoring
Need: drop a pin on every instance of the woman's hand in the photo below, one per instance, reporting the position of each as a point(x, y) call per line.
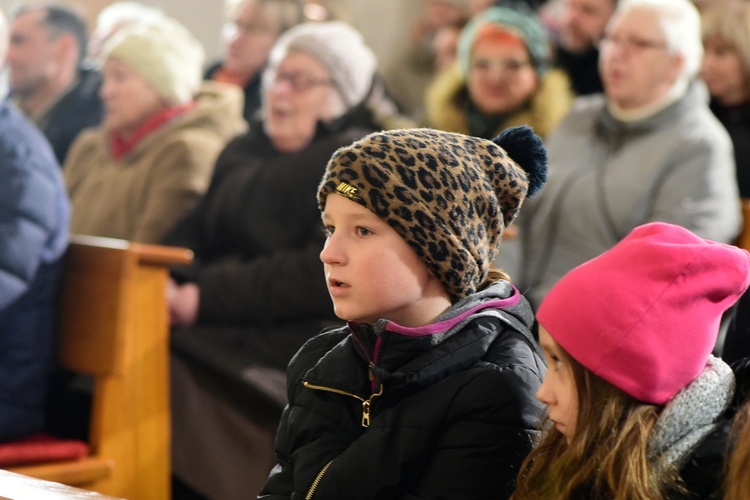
point(183, 303)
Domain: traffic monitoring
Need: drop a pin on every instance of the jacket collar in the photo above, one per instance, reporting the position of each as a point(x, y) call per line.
point(385, 352)
point(608, 125)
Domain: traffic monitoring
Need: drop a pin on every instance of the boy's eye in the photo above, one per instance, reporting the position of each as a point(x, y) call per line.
point(362, 231)
point(327, 230)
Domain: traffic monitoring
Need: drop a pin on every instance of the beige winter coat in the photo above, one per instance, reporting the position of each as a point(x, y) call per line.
point(140, 196)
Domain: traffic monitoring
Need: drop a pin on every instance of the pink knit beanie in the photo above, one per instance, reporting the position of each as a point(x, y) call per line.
point(645, 315)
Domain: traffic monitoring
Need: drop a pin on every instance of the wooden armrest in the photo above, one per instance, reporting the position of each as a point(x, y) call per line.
point(147, 253)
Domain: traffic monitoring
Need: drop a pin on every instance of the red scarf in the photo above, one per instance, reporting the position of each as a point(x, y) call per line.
point(223, 75)
point(120, 146)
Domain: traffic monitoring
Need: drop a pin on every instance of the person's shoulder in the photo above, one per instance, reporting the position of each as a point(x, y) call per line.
point(507, 380)
point(89, 140)
point(513, 352)
point(222, 99)
point(314, 349)
point(21, 142)
point(579, 121)
point(322, 342)
point(215, 119)
point(695, 124)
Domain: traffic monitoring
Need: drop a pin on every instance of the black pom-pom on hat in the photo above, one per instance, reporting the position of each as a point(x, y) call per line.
point(527, 150)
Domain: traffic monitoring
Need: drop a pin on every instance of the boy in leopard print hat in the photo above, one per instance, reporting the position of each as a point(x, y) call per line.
point(450, 196)
point(429, 389)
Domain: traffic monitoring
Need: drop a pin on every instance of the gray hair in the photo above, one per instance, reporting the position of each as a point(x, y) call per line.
point(681, 25)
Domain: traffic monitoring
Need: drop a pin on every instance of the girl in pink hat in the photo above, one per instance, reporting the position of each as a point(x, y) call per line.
point(636, 403)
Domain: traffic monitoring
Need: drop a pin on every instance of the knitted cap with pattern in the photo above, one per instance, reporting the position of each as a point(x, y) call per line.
point(645, 314)
point(450, 196)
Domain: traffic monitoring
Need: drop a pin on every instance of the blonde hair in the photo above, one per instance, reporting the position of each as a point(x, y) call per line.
point(737, 479)
point(494, 275)
point(608, 455)
point(730, 21)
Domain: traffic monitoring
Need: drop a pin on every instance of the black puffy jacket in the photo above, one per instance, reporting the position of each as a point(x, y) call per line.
point(442, 411)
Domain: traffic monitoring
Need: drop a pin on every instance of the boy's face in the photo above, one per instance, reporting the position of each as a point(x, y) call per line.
point(372, 272)
point(558, 391)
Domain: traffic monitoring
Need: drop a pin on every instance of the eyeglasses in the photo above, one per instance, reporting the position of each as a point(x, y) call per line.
point(511, 67)
point(298, 81)
point(631, 44)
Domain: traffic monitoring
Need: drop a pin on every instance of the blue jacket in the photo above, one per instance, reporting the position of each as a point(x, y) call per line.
point(34, 214)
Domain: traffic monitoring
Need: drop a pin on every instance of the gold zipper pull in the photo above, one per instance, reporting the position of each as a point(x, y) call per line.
point(366, 407)
point(366, 413)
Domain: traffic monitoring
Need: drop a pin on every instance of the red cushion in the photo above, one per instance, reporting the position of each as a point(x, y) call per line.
point(40, 448)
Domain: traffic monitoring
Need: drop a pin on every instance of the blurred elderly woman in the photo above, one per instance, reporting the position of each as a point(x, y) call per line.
point(248, 36)
point(501, 80)
point(256, 290)
point(649, 149)
point(153, 156)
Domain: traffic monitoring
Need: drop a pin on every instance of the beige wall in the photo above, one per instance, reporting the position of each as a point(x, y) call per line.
point(385, 24)
point(202, 17)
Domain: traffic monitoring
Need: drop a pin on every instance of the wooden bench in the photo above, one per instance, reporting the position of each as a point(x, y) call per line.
point(114, 326)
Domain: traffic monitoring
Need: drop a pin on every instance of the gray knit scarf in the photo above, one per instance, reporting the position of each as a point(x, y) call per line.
point(692, 414)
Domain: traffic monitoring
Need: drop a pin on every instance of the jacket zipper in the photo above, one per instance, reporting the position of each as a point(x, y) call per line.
point(365, 402)
point(314, 485)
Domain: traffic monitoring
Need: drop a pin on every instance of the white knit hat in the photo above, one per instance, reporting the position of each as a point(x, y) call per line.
point(163, 53)
point(340, 48)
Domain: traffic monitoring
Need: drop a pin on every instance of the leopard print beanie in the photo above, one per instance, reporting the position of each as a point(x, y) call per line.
point(450, 196)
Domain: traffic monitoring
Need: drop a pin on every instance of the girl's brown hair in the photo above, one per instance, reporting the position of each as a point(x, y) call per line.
point(737, 479)
point(608, 455)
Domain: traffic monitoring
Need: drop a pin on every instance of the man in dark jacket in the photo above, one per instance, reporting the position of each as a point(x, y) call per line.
point(581, 28)
point(34, 233)
point(48, 79)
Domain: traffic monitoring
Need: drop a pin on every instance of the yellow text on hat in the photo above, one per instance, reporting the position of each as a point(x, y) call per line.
point(348, 190)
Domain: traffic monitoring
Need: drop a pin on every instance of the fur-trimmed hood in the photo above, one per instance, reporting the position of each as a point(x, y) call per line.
point(447, 111)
